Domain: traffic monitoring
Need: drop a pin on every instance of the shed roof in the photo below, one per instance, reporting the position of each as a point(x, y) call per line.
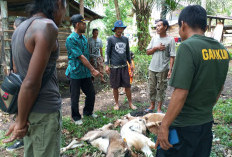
point(17, 8)
point(220, 17)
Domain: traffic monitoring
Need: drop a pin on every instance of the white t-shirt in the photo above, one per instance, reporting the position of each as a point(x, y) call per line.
point(160, 59)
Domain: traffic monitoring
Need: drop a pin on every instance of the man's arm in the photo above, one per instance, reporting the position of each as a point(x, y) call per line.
point(172, 59)
point(101, 52)
point(42, 38)
point(151, 51)
point(175, 106)
point(107, 55)
point(219, 94)
point(86, 63)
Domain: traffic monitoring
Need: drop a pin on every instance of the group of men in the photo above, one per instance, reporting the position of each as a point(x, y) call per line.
point(198, 82)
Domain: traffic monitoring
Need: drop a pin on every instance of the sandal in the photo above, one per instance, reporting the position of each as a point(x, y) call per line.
point(148, 110)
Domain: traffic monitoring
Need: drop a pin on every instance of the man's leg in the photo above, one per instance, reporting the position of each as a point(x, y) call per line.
point(204, 147)
point(128, 94)
point(115, 92)
point(88, 89)
point(152, 90)
point(44, 135)
point(125, 82)
point(115, 84)
point(75, 95)
point(161, 88)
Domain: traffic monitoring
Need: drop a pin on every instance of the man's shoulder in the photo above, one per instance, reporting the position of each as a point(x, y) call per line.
point(111, 37)
point(71, 36)
point(125, 38)
point(45, 24)
point(99, 39)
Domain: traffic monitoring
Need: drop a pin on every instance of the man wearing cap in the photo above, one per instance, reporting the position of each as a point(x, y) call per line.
point(79, 69)
point(116, 57)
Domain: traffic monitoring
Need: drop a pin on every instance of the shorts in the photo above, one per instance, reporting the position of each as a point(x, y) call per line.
point(97, 63)
point(44, 135)
point(119, 77)
point(157, 85)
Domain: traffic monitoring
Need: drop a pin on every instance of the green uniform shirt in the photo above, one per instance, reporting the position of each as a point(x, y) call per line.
point(76, 46)
point(201, 67)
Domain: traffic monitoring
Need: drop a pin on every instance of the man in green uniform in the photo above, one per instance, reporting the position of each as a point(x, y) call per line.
point(198, 77)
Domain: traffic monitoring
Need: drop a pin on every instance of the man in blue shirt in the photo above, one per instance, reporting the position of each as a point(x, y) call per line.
point(79, 69)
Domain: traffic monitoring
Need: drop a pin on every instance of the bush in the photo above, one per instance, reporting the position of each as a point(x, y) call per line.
point(141, 67)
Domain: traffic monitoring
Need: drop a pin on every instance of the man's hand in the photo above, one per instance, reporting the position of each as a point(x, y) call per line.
point(16, 131)
point(169, 74)
point(161, 47)
point(162, 138)
point(107, 69)
point(96, 73)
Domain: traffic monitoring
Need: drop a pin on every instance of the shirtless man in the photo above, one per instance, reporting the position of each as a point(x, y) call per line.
point(35, 51)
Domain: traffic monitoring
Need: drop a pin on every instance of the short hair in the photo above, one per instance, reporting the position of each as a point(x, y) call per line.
point(48, 7)
point(95, 29)
point(165, 23)
point(19, 20)
point(195, 16)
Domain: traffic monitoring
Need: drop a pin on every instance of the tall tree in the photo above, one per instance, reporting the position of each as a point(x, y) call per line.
point(117, 9)
point(110, 14)
point(203, 3)
point(143, 10)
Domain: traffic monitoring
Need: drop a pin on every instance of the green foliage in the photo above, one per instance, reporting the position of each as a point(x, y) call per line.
point(223, 111)
point(141, 66)
point(215, 7)
point(110, 15)
point(223, 130)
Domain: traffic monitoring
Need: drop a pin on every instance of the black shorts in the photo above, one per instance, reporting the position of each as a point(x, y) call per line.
point(119, 77)
point(195, 141)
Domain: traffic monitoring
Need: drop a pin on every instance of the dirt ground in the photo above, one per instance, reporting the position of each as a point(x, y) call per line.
point(105, 100)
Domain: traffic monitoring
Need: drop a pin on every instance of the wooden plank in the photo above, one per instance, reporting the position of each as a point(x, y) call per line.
point(217, 33)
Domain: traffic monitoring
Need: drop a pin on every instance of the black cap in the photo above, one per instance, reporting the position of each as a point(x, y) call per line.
point(78, 18)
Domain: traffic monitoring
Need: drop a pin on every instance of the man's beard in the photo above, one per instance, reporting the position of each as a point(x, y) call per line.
point(82, 31)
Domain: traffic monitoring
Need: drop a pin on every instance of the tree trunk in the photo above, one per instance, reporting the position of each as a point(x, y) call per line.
point(143, 34)
point(203, 3)
point(82, 7)
point(164, 11)
point(118, 16)
point(5, 56)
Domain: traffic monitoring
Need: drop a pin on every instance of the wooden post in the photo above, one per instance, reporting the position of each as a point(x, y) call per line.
point(210, 20)
point(6, 44)
point(88, 29)
point(81, 2)
point(67, 14)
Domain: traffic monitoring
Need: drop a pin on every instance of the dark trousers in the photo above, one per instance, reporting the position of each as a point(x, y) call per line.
point(87, 87)
point(195, 141)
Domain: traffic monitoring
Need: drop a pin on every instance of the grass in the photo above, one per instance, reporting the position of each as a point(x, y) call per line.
point(222, 128)
point(70, 130)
